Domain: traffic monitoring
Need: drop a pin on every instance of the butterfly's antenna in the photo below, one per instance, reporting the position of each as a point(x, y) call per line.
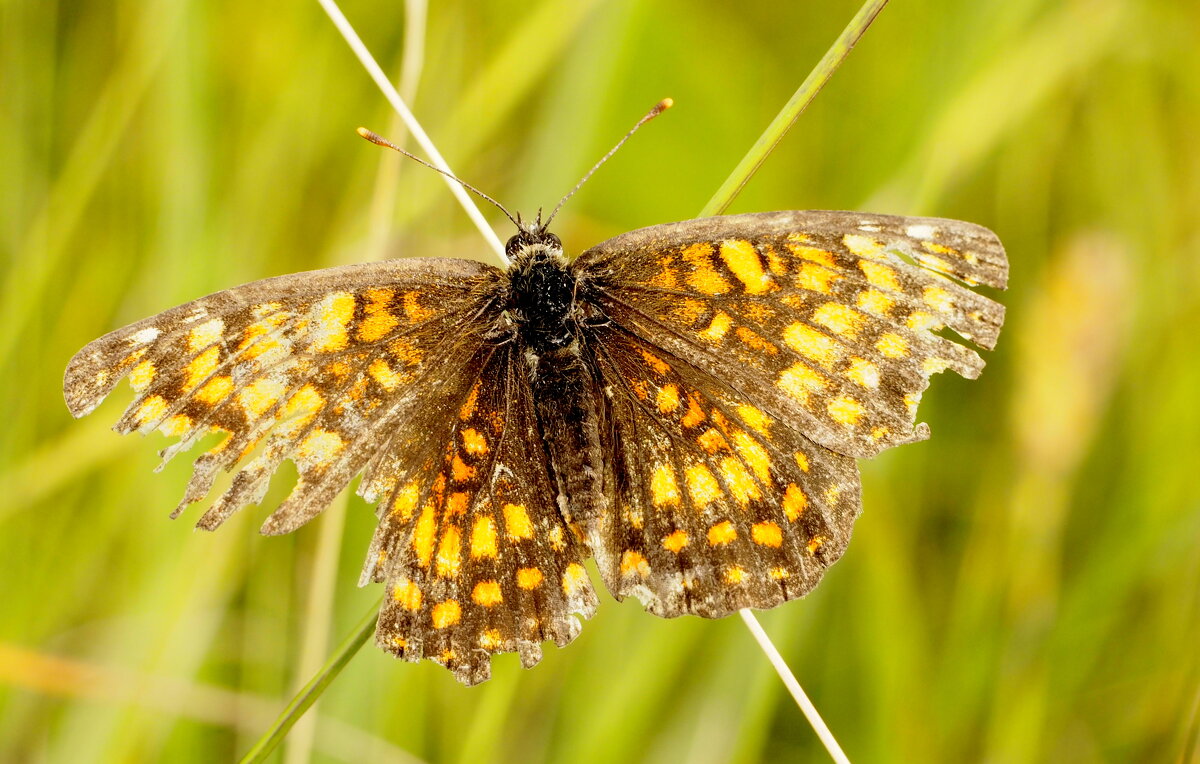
point(379, 140)
point(659, 108)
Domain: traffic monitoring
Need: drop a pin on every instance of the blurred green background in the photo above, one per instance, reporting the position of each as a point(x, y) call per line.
point(1023, 587)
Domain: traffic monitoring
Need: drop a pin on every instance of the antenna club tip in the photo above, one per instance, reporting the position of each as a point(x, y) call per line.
point(665, 104)
point(365, 133)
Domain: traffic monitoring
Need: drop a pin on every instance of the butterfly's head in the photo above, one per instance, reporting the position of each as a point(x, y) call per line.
point(532, 238)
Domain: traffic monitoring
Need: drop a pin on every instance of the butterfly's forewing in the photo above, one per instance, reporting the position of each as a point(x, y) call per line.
point(476, 555)
point(718, 506)
point(828, 321)
point(315, 367)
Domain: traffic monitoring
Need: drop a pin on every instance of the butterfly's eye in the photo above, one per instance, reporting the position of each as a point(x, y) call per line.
point(514, 244)
point(552, 241)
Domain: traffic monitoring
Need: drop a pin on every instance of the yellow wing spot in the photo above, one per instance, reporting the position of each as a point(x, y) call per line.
point(205, 334)
point(320, 446)
point(735, 574)
point(490, 639)
point(775, 262)
point(634, 562)
point(573, 578)
point(529, 578)
point(143, 336)
point(667, 399)
point(934, 366)
point(303, 405)
point(837, 318)
point(799, 381)
point(176, 425)
point(457, 504)
point(702, 487)
point(779, 574)
point(141, 376)
point(863, 246)
point(863, 372)
point(845, 410)
point(215, 390)
point(767, 534)
point(407, 594)
point(378, 321)
point(811, 343)
point(941, 249)
point(517, 522)
point(938, 299)
point(688, 311)
point(414, 310)
point(754, 454)
point(487, 593)
point(449, 553)
point(474, 442)
point(460, 470)
point(718, 327)
point(879, 433)
point(743, 262)
point(815, 543)
point(755, 342)
point(406, 501)
point(399, 642)
point(874, 301)
point(741, 485)
point(334, 314)
point(557, 542)
point(385, 375)
point(816, 278)
point(663, 488)
point(695, 413)
point(258, 397)
point(721, 534)
point(712, 441)
point(812, 254)
point(910, 402)
point(201, 367)
point(755, 419)
point(892, 345)
point(794, 502)
point(423, 536)
point(880, 275)
point(802, 461)
point(675, 542)
point(920, 320)
point(483, 537)
point(703, 278)
point(446, 614)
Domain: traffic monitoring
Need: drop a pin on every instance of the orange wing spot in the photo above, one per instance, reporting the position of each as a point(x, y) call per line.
point(259, 396)
point(414, 310)
point(874, 301)
point(837, 318)
point(491, 640)
point(721, 534)
point(405, 352)
point(457, 504)
point(743, 262)
point(406, 501)
point(879, 433)
point(718, 327)
point(487, 593)
point(892, 345)
point(408, 594)
point(799, 381)
point(399, 642)
point(845, 410)
point(423, 536)
point(755, 342)
point(460, 470)
point(816, 278)
point(741, 485)
point(483, 537)
point(780, 574)
point(446, 614)
point(517, 522)
point(754, 454)
point(863, 372)
point(663, 488)
point(666, 277)
point(812, 254)
point(703, 278)
point(774, 261)
point(767, 534)
point(142, 375)
point(339, 369)
point(468, 407)
point(675, 542)
point(205, 334)
point(656, 363)
point(378, 321)
point(320, 446)
point(880, 275)
point(941, 249)
point(303, 404)
point(639, 388)
point(385, 375)
point(811, 343)
point(702, 486)
point(802, 461)
point(863, 246)
point(474, 442)
point(735, 574)
point(334, 314)
point(449, 554)
point(201, 367)
point(815, 543)
point(713, 441)
point(529, 578)
point(573, 578)
point(695, 413)
point(755, 419)
point(668, 399)
point(688, 311)
point(176, 425)
point(634, 562)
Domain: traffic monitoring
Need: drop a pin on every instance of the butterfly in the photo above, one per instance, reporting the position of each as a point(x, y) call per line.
point(682, 403)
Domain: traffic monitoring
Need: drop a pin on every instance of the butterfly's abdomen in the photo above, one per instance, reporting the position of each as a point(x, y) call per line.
point(542, 300)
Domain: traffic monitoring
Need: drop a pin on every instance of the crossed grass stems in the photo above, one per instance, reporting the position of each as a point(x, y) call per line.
point(724, 196)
